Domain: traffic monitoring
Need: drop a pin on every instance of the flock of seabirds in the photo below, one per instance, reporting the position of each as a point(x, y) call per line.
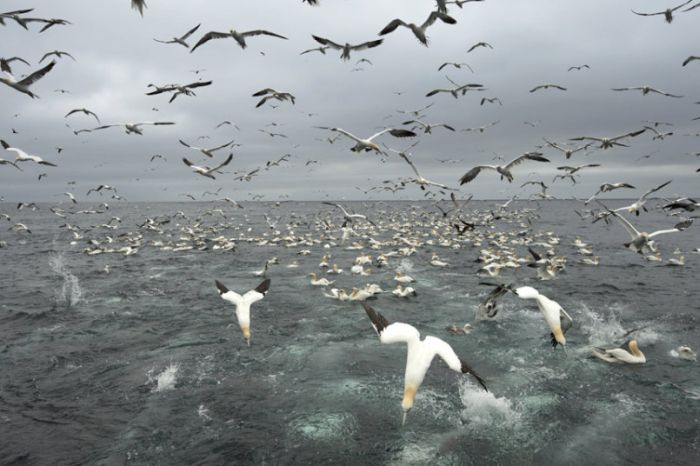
point(390, 235)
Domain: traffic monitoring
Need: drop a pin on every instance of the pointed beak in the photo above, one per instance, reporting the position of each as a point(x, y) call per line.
point(403, 422)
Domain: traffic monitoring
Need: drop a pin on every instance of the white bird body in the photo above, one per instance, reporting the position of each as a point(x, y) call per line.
point(419, 356)
point(319, 281)
point(621, 355)
point(243, 303)
point(552, 312)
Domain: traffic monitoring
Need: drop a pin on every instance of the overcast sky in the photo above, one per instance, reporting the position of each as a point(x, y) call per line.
point(534, 42)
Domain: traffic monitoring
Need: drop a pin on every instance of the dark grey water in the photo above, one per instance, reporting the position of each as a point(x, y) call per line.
point(146, 365)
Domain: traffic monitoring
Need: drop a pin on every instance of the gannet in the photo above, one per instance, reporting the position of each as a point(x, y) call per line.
point(637, 205)
point(641, 241)
point(620, 355)
point(504, 170)
point(419, 31)
point(401, 278)
point(207, 171)
point(684, 352)
point(419, 356)
point(243, 303)
point(235, 35)
point(402, 292)
point(319, 281)
point(22, 156)
point(558, 320)
point(23, 84)
point(347, 48)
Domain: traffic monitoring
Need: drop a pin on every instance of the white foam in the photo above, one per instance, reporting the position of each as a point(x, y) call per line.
point(601, 330)
point(166, 379)
point(484, 408)
point(405, 266)
point(70, 293)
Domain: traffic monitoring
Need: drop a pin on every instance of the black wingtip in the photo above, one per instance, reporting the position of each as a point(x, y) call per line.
point(378, 320)
point(264, 286)
point(468, 370)
point(222, 288)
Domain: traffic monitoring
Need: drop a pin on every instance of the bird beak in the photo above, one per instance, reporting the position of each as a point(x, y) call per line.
point(403, 422)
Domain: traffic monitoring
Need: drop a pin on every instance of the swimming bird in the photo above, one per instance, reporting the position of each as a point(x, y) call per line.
point(23, 85)
point(208, 152)
point(22, 156)
point(180, 40)
point(243, 303)
point(466, 329)
point(607, 143)
point(319, 281)
point(646, 90)
point(621, 355)
point(558, 320)
point(85, 111)
point(239, 37)
point(668, 12)
point(369, 144)
point(130, 128)
point(637, 205)
point(504, 170)
point(419, 356)
point(685, 352)
point(419, 31)
point(347, 48)
point(207, 171)
point(401, 292)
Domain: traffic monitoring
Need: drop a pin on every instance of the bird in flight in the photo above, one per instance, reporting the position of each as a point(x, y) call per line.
point(504, 170)
point(239, 37)
point(347, 48)
point(180, 40)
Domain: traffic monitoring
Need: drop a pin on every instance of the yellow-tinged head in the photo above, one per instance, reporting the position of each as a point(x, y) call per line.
point(559, 336)
point(246, 333)
point(634, 349)
point(409, 393)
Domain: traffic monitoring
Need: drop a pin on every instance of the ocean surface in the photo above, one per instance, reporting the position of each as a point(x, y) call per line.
point(145, 364)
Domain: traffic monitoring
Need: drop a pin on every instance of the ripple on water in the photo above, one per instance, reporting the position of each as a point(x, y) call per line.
point(325, 427)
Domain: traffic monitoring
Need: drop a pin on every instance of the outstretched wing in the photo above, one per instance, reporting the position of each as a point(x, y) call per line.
point(391, 27)
point(228, 295)
point(536, 156)
point(253, 296)
point(367, 45)
point(37, 75)
point(327, 42)
point(447, 354)
point(209, 36)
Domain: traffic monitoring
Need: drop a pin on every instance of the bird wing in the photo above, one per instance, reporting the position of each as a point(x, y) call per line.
point(471, 174)
point(645, 195)
point(228, 295)
point(400, 133)
point(37, 75)
point(447, 354)
point(209, 36)
point(198, 84)
point(408, 161)
point(633, 232)
point(391, 27)
point(187, 162)
point(187, 145)
point(350, 135)
point(327, 42)
point(663, 232)
point(222, 165)
point(267, 90)
point(631, 135)
point(529, 156)
point(259, 292)
point(434, 16)
point(367, 45)
point(190, 32)
point(262, 32)
point(222, 146)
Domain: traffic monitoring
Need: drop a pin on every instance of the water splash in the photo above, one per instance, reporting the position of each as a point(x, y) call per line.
point(405, 266)
point(166, 379)
point(71, 292)
point(482, 408)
